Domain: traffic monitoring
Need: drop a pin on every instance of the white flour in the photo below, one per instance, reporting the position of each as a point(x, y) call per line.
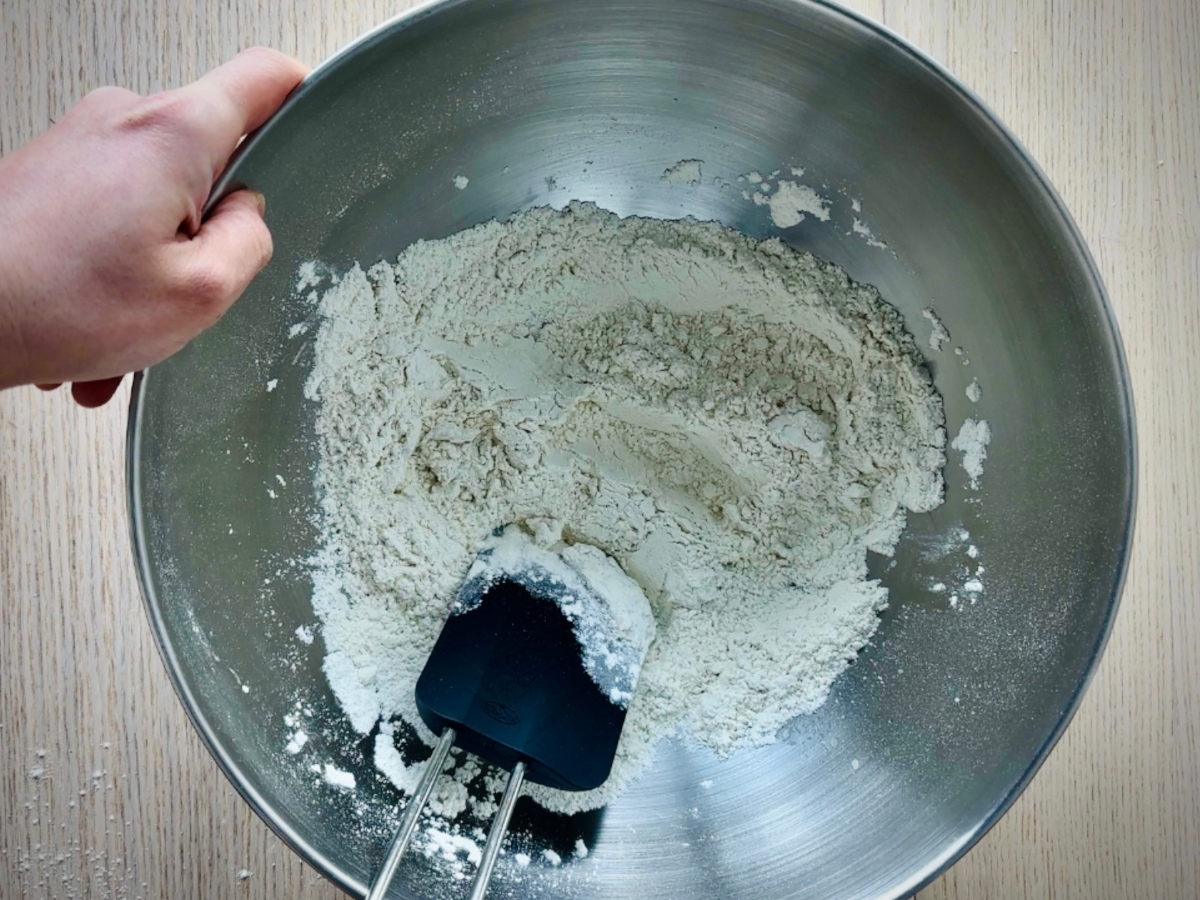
point(338, 778)
point(791, 201)
point(735, 423)
point(972, 442)
point(686, 171)
point(939, 336)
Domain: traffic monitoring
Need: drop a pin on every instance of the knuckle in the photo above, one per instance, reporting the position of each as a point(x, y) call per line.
point(260, 53)
point(208, 288)
point(170, 111)
point(255, 235)
point(109, 96)
point(265, 246)
point(99, 107)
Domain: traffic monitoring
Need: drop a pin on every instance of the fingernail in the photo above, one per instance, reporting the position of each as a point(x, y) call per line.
point(261, 201)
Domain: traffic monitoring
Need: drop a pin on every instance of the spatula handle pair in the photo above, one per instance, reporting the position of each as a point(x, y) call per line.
point(412, 814)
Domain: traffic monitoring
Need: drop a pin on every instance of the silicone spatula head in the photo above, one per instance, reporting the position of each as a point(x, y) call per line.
point(534, 665)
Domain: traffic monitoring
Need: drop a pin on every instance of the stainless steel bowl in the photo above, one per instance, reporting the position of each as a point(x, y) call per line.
point(930, 735)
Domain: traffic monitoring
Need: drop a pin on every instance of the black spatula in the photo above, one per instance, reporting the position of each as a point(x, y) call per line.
point(507, 681)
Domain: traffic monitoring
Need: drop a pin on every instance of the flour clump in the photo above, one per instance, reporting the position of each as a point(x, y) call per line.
point(734, 422)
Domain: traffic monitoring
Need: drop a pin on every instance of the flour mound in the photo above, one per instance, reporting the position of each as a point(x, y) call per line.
point(734, 422)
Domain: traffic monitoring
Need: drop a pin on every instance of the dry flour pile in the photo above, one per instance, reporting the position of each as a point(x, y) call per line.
point(734, 422)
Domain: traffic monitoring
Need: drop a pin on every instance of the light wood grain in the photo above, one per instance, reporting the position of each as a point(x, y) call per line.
point(106, 792)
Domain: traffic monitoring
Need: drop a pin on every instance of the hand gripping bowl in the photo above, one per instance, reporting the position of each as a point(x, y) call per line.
point(936, 728)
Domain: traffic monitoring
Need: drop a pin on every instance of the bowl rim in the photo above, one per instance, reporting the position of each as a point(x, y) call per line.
point(227, 182)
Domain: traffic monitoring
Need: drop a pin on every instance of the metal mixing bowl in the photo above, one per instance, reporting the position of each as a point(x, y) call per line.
point(930, 735)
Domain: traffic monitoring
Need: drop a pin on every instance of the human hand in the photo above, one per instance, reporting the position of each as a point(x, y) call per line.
point(105, 264)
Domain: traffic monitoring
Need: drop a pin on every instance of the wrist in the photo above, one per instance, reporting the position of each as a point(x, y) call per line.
point(17, 363)
point(14, 363)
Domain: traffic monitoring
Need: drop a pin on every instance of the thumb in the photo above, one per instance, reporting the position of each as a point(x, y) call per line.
point(231, 247)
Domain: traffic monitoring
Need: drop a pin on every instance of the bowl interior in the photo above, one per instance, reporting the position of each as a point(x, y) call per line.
point(930, 734)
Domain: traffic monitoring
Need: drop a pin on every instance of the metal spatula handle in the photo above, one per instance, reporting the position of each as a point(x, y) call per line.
point(412, 814)
point(491, 850)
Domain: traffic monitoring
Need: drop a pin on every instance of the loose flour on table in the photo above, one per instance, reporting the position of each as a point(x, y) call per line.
point(734, 422)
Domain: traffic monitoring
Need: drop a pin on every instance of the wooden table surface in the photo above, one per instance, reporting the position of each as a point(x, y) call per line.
point(106, 792)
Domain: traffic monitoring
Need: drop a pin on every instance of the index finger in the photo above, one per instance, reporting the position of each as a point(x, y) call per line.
point(240, 95)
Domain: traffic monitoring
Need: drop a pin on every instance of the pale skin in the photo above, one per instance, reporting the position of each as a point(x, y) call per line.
point(106, 266)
